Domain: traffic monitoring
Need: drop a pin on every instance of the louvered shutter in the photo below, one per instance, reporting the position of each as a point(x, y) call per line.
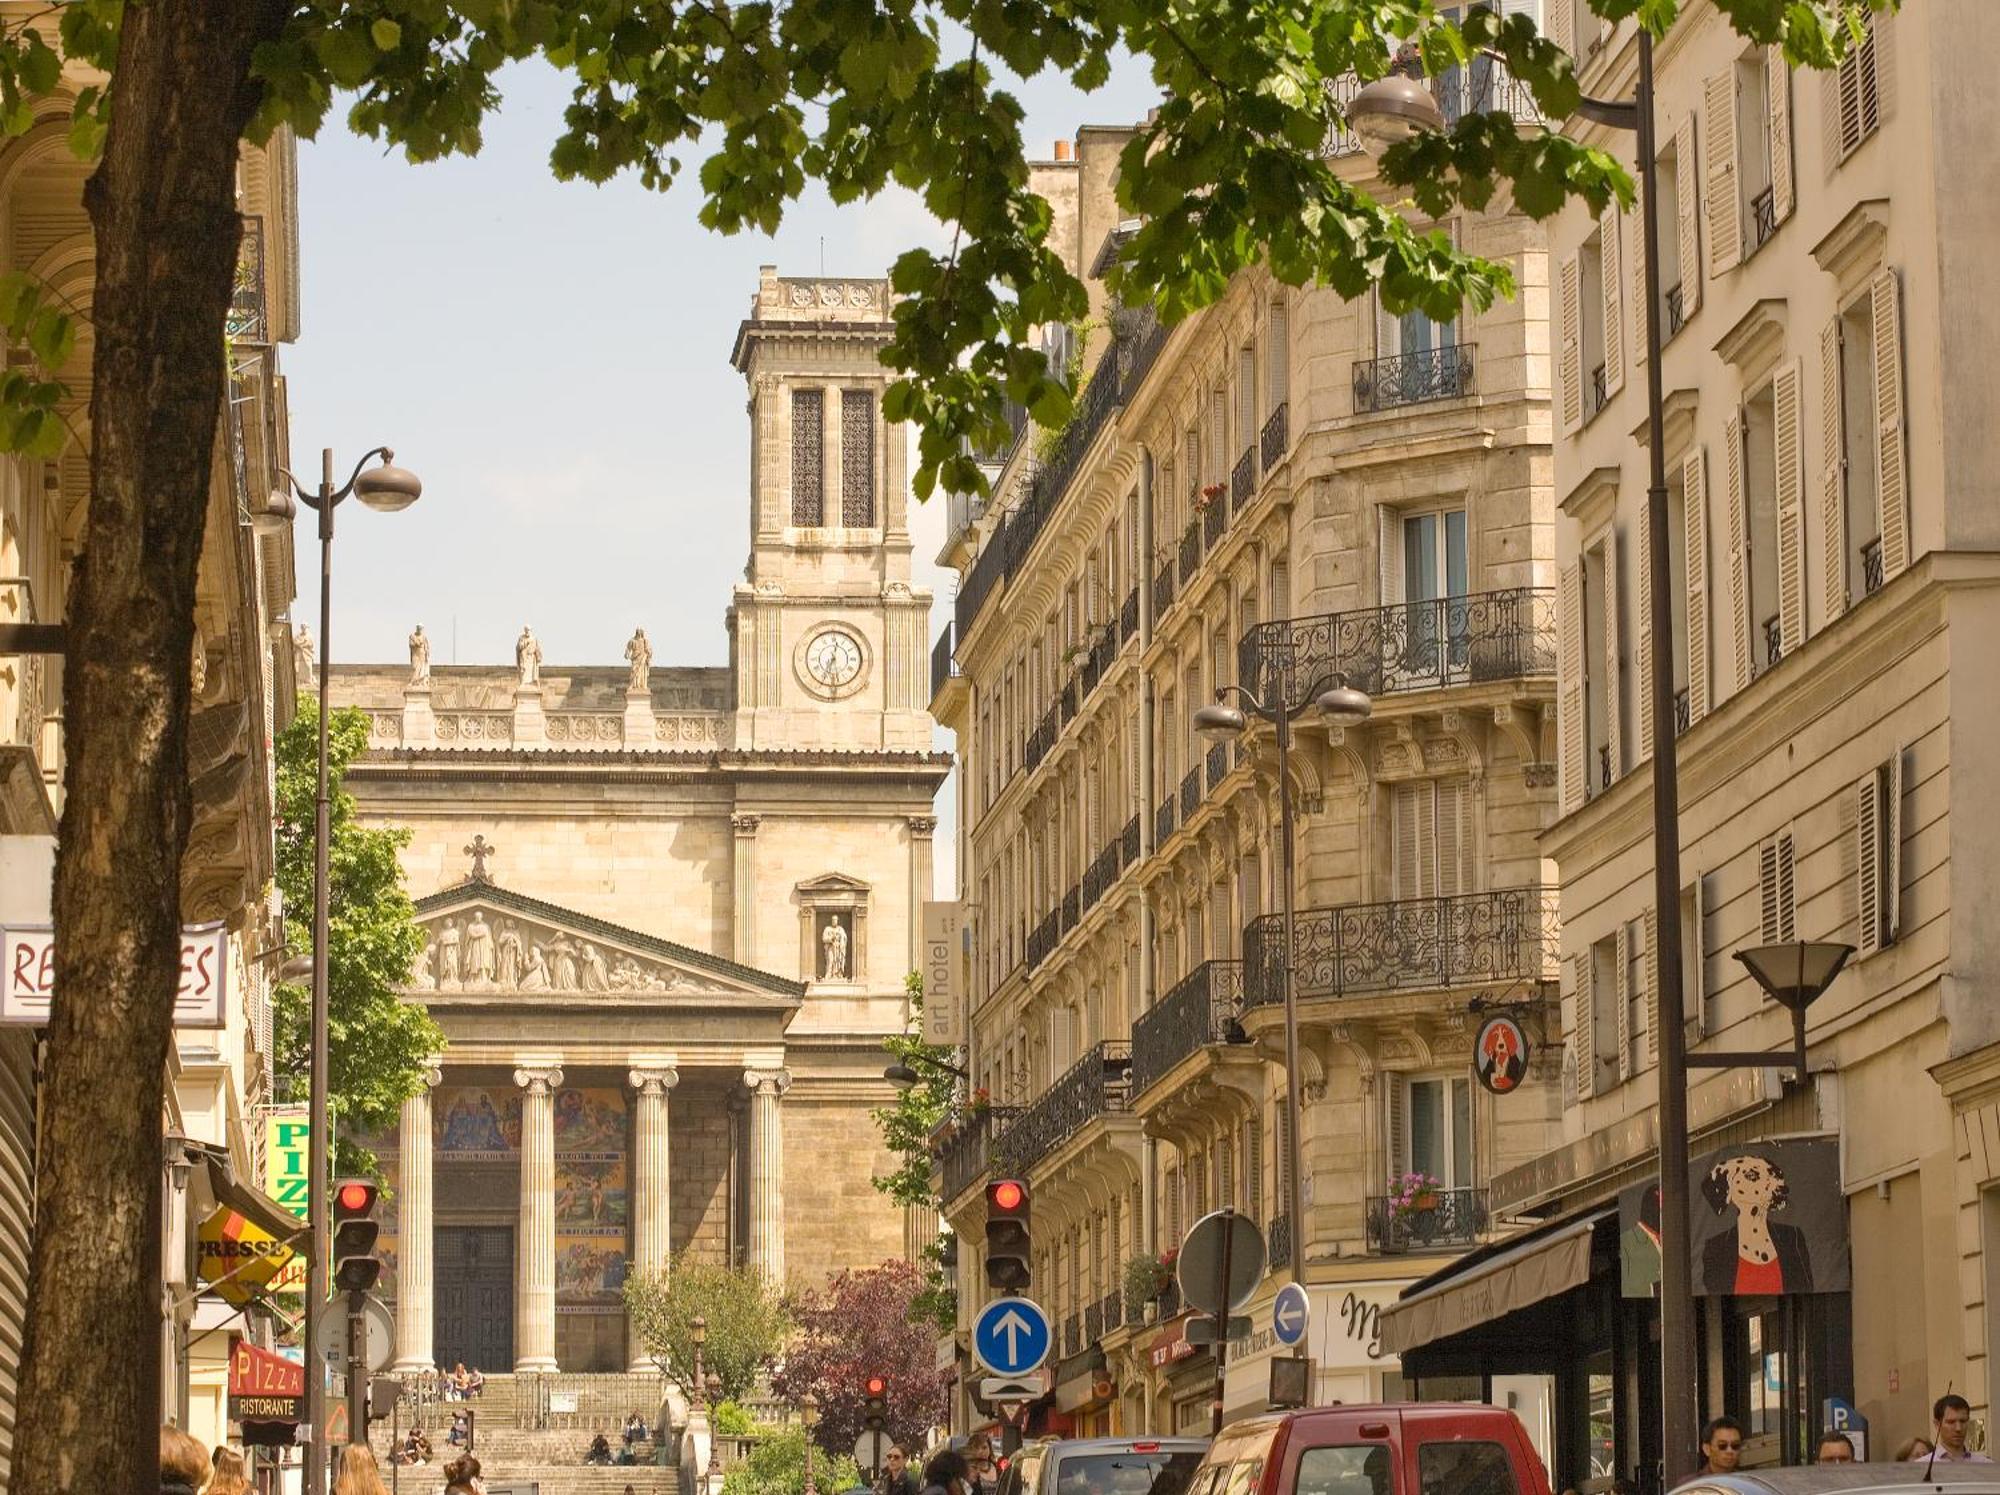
point(1454, 837)
point(1621, 1017)
point(1281, 1163)
point(1388, 330)
point(1694, 971)
point(1218, 435)
point(1225, 1172)
point(1768, 921)
point(1642, 673)
point(1642, 306)
point(1694, 507)
point(1653, 1004)
point(1687, 217)
point(1410, 809)
point(1611, 278)
point(1614, 665)
point(1790, 495)
point(1891, 457)
point(1892, 850)
point(1253, 1166)
point(1833, 475)
point(1583, 1036)
point(1397, 1132)
point(1739, 553)
point(1569, 342)
point(1868, 862)
point(1778, 90)
point(1278, 355)
point(1562, 24)
point(1725, 202)
point(1569, 685)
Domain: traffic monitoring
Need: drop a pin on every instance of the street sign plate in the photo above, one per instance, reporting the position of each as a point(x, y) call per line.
point(1202, 1331)
point(1010, 1388)
point(1201, 1261)
point(330, 1333)
point(1011, 1336)
point(870, 1449)
point(1290, 1314)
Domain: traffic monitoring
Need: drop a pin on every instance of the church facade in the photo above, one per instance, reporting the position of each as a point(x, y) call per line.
point(669, 911)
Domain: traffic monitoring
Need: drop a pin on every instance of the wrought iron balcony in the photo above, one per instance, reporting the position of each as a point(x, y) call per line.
point(1096, 1085)
point(1214, 519)
point(1163, 819)
point(1505, 635)
point(1480, 87)
point(1871, 568)
point(1163, 589)
point(1066, 702)
point(1218, 764)
point(1774, 640)
point(1683, 711)
point(1600, 389)
point(1412, 944)
point(1197, 1012)
point(1099, 876)
point(1243, 481)
point(1042, 938)
point(1676, 300)
point(943, 667)
point(1190, 792)
point(1128, 842)
point(1040, 741)
point(1072, 908)
point(1128, 617)
point(1190, 556)
point(1456, 1218)
point(1110, 1312)
point(1603, 766)
point(248, 320)
point(1093, 1323)
point(1276, 437)
point(1413, 378)
point(963, 1160)
point(1278, 1240)
point(1764, 215)
point(1072, 1334)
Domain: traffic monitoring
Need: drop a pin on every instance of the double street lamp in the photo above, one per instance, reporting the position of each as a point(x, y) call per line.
point(387, 488)
point(1340, 705)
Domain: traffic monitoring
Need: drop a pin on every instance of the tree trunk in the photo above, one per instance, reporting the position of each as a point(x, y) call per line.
point(162, 204)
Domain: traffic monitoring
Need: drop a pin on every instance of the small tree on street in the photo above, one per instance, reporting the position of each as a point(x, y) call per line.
point(777, 1466)
point(907, 1126)
point(862, 1325)
point(746, 1318)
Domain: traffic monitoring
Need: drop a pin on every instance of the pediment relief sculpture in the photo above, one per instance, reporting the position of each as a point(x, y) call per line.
point(483, 950)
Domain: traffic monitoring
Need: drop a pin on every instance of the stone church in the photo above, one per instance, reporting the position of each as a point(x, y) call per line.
point(669, 911)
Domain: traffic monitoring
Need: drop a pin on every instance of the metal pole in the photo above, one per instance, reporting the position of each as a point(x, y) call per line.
point(1222, 1322)
point(1678, 1412)
point(1293, 1174)
point(318, 1141)
point(357, 1366)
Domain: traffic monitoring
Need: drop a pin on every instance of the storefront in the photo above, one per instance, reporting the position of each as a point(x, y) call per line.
point(1343, 1337)
point(1183, 1382)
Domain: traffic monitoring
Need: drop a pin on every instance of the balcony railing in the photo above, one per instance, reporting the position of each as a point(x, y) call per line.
point(1218, 764)
point(1604, 765)
point(1072, 1334)
point(1676, 300)
point(1072, 908)
point(1110, 1313)
point(248, 320)
point(1066, 703)
point(1128, 842)
point(1163, 588)
point(963, 1160)
point(943, 666)
point(1683, 711)
point(1276, 436)
point(1128, 617)
point(1871, 568)
point(1190, 556)
point(1482, 86)
point(1456, 1218)
point(1040, 741)
point(1214, 519)
point(1190, 792)
point(1764, 215)
point(1163, 819)
point(1042, 938)
point(1774, 640)
point(1100, 875)
point(1506, 635)
point(1278, 1241)
point(1412, 944)
point(1098, 1084)
point(1243, 481)
point(1413, 378)
point(1093, 1323)
point(1197, 1012)
point(1600, 389)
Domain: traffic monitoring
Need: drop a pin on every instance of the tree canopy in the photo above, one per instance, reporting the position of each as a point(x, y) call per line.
point(746, 1322)
point(863, 1324)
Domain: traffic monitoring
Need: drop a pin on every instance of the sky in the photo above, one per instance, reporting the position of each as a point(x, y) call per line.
point(552, 359)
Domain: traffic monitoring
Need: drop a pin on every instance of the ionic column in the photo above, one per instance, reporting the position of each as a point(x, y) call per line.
point(651, 1185)
point(416, 1280)
point(535, 1243)
point(767, 1170)
point(744, 880)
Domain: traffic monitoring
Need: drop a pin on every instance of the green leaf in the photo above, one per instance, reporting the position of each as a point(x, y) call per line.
point(387, 34)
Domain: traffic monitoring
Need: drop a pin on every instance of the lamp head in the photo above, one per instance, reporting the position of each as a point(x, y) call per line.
point(280, 508)
point(1219, 723)
point(901, 1076)
point(1343, 706)
point(1391, 110)
point(1796, 973)
point(388, 488)
point(698, 1327)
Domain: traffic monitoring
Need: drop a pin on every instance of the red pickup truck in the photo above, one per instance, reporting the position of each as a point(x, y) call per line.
point(1411, 1448)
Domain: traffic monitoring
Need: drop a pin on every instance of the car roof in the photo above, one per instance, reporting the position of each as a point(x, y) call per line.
point(1065, 1446)
point(1265, 1421)
point(1851, 1479)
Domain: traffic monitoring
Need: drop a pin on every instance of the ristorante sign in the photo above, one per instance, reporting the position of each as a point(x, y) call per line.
point(28, 976)
point(264, 1387)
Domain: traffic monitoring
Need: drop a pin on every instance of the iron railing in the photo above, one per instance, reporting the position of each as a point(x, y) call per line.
point(1163, 588)
point(1110, 1312)
point(1481, 86)
point(1040, 741)
point(1190, 792)
point(1093, 1323)
point(248, 319)
point(1764, 215)
point(1100, 875)
point(1676, 300)
point(1065, 703)
point(943, 667)
point(1504, 635)
point(1683, 711)
point(964, 1159)
point(1042, 938)
point(1600, 389)
point(1418, 944)
point(1096, 1085)
point(1163, 820)
point(1413, 378)
point(1129, 842)
point(987, 571)
point(1218, 764)
point(1871, 568)
point(1072, 908)
point(1455, 1218)
point(1774, 640)
point(1197, 1012)
point(1278, 1240)
point(1604, 765)
point(1128, 617)
point(1243, 480)
point(1214, 518)
point(1276, 436)
point(1190, 556)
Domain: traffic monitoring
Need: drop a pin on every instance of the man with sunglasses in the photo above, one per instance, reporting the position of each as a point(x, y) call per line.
point(1722, 1446)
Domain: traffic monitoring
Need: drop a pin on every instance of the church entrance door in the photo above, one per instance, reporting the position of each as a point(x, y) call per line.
point(475, 1297)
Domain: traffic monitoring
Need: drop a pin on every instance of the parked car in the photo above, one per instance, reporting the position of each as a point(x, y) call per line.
point(1103, 1466)
point(1915, 1478)
point(1413, 1448)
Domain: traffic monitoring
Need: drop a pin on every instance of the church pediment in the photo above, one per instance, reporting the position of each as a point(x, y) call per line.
point(483, 942)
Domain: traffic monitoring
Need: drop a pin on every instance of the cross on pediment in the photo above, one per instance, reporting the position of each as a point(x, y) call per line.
point(479, 851)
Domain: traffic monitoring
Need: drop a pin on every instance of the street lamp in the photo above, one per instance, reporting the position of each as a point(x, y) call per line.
point(1793, 976)
point(1340, 705)
point(714, 1443)
point(699, 1329)
point(809, 1419)
point(1377, 117)
point(388, 488)
point(905, 1077)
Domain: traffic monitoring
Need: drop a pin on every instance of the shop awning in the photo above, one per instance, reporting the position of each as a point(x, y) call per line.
point(215, 1185)
point(1478, 1290)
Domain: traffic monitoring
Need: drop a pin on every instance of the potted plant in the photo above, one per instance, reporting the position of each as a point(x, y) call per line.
point(979, 1102)
point(1207, 496)
point(1412, 1195)
point(1146, 1277)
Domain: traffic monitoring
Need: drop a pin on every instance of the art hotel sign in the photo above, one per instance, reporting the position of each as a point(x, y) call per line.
point(28, 976)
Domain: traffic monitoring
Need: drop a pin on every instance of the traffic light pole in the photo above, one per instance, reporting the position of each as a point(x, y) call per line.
point(357, 1365)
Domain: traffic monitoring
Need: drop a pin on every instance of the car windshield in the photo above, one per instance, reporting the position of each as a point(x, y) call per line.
point(1161, 1473)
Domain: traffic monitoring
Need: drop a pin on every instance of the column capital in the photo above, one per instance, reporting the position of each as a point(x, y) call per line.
point(771, 1082)
point(538, 1078)
point(431, 1072)
point(653, 1079)
point(745, 824)
point(922, 825)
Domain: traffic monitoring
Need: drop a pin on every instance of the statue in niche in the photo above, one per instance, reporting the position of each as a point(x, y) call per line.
point(420, 657)
point(305, 663)
point(478, 954)
point(595, 975)
point(507, 968)
point(639, 655)
point(833, 948)
point(562, 964)
point(535, 973)
point(447, 953)
point(528, 656)
point(420, 970)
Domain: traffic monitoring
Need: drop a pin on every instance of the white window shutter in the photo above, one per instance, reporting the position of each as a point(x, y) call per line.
point(1868, 863)
point(1768, 920)
point(1562, 24)
point(1612, 278)
point(1642, 674)
point(1569, 343)
point(1397, 1130)
point(1739, 552)
point(1614, 671)
point(1725, 199)
point(1687, 218)
point(1388, 330)
point(1787, 893)
point(1778, 90)
point(1642, 306)
point(1694, 489)
point(1583, 1037)
point(1892, 849)
point(1652, 937)
point(1454, 837)
point(1569, 685)
point(1787, 445)
point(1409, 810)
point(1695, 970)
point(1278, 355)
point(1891, 455)
point(1832, 475)
point(1621, 1017)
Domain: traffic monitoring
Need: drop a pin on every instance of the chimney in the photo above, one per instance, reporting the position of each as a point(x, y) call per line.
point(1065, 150)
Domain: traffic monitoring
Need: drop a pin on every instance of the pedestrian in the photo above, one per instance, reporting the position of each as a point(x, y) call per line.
point(1835, 1447)
point(1721, 1446)
point(462, 1476)
point(229, 1477)
point(1914, 1451)
point(635, 1429)
point(897, 1478)
point(461, 1430)
point(980, 1470)
point(947, 1474)
point(600, 1449)
point(183, 1463)
point(356, 1473)
point(1952, 1415)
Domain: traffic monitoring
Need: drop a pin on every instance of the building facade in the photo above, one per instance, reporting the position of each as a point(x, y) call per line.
point(1832, 522)
point(1283, 490)
point(670, 911)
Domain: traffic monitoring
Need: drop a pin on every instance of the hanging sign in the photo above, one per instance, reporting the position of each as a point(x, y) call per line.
point(28, 976)
point(1500, 1054)
point(943, 991)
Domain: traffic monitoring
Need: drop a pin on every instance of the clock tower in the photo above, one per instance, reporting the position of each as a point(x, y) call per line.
point(828, 638)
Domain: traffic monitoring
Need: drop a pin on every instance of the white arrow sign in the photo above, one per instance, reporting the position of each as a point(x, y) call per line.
point(1011, 1336)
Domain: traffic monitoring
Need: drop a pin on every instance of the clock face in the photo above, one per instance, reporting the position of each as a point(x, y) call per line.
point(834, 660)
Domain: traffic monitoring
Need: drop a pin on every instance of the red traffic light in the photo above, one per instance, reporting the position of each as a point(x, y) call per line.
point(876, 1386)
point(354, 1196)
point(1008, 1194)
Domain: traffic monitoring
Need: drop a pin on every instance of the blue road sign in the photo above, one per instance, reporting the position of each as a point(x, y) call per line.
point(1290, 1314)
point(1011, 1336)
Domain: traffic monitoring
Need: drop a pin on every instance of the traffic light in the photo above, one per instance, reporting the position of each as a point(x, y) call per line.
point(875, 1406)
point(1007, 1234)
point(355, 1267)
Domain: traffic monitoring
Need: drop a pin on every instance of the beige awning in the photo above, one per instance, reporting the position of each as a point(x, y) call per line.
point(1490, 1289)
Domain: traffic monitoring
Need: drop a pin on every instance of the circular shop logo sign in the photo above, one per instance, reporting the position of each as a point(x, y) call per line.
point(1500, 1055)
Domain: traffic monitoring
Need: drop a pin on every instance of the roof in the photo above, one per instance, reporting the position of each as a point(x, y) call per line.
point(1848, 1479)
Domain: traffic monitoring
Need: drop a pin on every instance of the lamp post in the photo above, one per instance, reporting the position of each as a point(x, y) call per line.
point(808, 1419)
point(388, 488)
point(905, 1077)
point(714, 1443)
point(699, 1329)
point(1339, 705)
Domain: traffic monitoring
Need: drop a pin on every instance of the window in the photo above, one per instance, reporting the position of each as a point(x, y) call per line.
point(1776, 906)
point(1697, 1009)
point(1592, 330)
point(1878, 836)
point(1465, 1467)
point(1594, 1025)
point(1430, 1128)
point(1635, 991)
point(1129, 1473)
point(1680, 270)
point(1277, 358)
point(1754, 534)
point(1431, 831)
point(1753, 140)
point(1246, 400)
point(1353, 1469)
point(857, 458)
point(1854, 94)
point(1428, 565)
point(1677, 590)
point(808, 450)
point(1864, 526)
point(1600, 664)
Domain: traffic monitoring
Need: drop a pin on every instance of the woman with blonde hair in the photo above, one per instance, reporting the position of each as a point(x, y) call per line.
point(229, 1477)
point(183, 1463)
point(357, 1473)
